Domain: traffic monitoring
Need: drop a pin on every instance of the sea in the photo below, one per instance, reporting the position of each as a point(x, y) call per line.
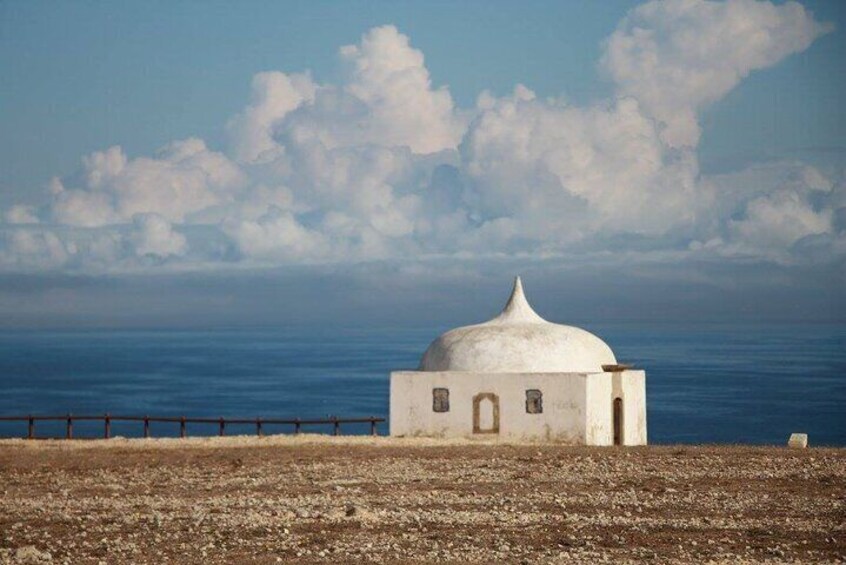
point(706, 383)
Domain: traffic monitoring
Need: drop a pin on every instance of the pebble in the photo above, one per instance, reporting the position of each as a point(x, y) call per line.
point(443, 503)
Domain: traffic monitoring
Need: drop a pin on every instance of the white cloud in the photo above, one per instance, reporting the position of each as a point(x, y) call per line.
point(384, 166)
point(184, 178)
point(27, 250)
point(21, 214)
point(389, 76)
point(572, 170)
point(279, 236)
point(275, 95)
point(777, 221)
point(154, 235)
point(679, 56)
point(764, 211)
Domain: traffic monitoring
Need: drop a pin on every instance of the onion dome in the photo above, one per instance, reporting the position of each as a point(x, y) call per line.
point(518, 341)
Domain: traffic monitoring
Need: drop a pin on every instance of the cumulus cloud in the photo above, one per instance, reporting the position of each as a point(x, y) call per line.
point(275, 95)
point(21, 214)
point(389, 77)
point(25, 250)
point(770, 211)
point(384, 166)
point(600, 167)
point(388, 100)
point(184, 178)
point(277, 235)
point(154, 235)
point(677, 57)
point(778, 221)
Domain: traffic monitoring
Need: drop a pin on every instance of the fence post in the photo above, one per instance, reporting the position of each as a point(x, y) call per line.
point(107, 420)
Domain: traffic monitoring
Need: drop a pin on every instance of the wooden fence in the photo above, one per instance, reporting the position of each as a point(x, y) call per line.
point(107, 420)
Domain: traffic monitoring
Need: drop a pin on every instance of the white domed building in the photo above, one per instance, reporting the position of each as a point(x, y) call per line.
point(519, 377)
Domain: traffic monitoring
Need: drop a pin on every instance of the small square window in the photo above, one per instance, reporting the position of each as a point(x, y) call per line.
point(534, 402)
point(440, 399)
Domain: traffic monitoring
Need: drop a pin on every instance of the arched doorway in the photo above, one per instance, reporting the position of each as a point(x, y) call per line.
point(618, 421)
point(486, 413)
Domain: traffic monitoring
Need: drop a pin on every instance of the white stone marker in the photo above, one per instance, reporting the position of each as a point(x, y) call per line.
point(798, 441)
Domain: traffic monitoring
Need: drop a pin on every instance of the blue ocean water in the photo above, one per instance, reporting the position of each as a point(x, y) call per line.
point(705, 383)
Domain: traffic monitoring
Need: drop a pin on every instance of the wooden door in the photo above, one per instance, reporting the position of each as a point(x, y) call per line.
point(618, 421)
point(486, 413)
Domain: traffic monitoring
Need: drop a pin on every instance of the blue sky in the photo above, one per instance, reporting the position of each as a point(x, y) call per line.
point(83, 76)
point(731, 177)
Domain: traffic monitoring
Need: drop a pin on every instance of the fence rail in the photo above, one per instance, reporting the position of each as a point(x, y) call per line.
point(107, 420)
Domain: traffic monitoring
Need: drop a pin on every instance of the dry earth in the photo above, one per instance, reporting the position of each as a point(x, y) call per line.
point(311, 499)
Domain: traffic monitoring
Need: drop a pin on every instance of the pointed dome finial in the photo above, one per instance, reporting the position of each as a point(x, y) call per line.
point(517, 309)
point(517, 294)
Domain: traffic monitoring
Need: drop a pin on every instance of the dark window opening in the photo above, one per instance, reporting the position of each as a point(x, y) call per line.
point(440, 399)
point(534, 402)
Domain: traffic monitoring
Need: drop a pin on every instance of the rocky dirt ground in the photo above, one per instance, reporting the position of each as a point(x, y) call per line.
point(341, 500)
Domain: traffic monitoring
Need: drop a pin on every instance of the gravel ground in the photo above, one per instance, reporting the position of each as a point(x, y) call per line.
point(341, 500)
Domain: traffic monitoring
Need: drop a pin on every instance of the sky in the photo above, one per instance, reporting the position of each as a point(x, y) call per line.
point(397, 163)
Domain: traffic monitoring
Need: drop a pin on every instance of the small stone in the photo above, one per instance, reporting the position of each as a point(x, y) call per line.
point(29, 554)
point(798, 441)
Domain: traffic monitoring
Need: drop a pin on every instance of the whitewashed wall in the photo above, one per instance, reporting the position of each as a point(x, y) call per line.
point(602, 389)
point(599, 429)
point(632, 384)
point(577, 407)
